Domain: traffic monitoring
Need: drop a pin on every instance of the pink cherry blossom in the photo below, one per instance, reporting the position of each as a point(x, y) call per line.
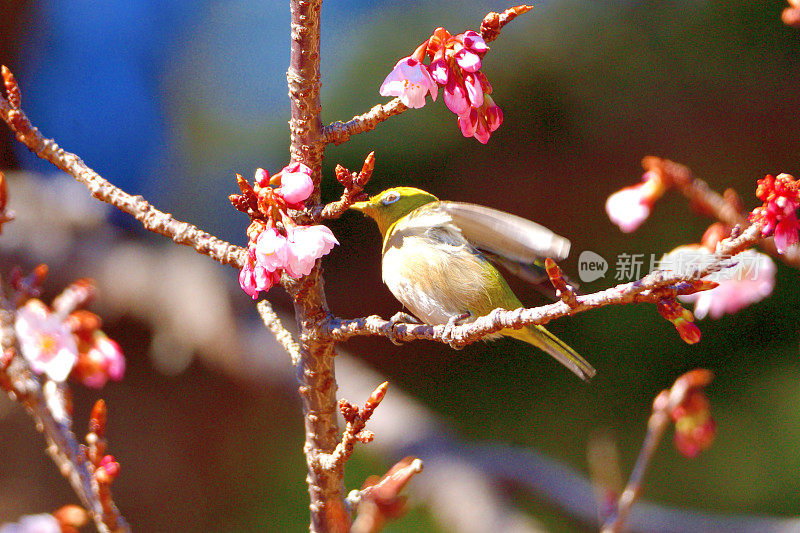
point(628, 208)
point(440, 71)
point(411, 81)
point(482, 132)
point(494, 115)
point(750, 281)
point(778, 214)
point(45, 341)
point(474, 90)
point(468, 60)
point(468, 122)
point(296, 185)
point(271, 250)
point(247, 279)
point(255, 276)
point(306, 245)
point(474, 42)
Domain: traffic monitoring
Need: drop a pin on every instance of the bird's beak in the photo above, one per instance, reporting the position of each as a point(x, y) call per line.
point(365, 207)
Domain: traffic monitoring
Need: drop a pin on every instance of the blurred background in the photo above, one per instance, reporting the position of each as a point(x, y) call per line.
point(171, 99)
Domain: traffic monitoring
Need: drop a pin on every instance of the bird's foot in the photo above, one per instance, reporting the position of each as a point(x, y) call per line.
point(398, 318)
point(447, 334)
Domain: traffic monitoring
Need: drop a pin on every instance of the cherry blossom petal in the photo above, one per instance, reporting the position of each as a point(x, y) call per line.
point(786, 233)
point(306, 245)
point(474, 42)
point(440, 70)
point(296, 187)
point(468, 60)
point(455, 97)
point(271, 250)
point(411, 81)
point(474, 90)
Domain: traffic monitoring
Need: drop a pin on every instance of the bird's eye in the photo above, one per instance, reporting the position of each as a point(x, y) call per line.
point(390, 198)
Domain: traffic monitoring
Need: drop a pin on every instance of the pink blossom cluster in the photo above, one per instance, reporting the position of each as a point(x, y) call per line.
point(291, 248)
point(778, 214)
point(628, 208)
point(74, 346)
point(455, 66)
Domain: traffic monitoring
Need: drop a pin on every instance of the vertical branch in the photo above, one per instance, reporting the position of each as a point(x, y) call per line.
point(304, 80)
point(315, 370)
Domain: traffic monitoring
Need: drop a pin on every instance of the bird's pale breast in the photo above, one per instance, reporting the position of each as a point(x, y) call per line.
point(436, 274)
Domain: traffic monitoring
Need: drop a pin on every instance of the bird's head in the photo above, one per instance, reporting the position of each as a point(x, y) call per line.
point(391, 205)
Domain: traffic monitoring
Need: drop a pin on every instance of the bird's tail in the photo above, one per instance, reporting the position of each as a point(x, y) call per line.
point(544, 340)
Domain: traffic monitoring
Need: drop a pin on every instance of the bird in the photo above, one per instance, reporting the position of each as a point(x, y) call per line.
point(437, 261)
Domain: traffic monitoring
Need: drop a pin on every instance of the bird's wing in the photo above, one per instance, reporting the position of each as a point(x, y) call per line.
point(533, 273)
point(505, 235)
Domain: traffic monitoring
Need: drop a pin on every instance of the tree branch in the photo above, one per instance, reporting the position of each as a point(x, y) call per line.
point(47, 405)
point(339, 132)
point(658, 423)
point(654, 287)
point(151, 218)
point(315, 370)
point(355, 431)
point(726, 207)
point(282, 335)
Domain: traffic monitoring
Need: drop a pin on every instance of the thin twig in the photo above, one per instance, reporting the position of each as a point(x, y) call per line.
point(656, 426)
point(355, 431)
point(151, 218)
point(282, 335)
point(663, 405)
point(104, 474)
point(354, 183)
point(339, 132)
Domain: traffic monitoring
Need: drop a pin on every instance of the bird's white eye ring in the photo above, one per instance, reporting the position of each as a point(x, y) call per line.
point(390, 198)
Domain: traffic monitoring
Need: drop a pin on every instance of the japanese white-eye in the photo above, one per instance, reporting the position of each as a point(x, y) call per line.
point(435, 261)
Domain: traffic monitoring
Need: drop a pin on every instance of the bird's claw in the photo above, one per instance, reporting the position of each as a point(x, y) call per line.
point(452, 322)
point(391, 327)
